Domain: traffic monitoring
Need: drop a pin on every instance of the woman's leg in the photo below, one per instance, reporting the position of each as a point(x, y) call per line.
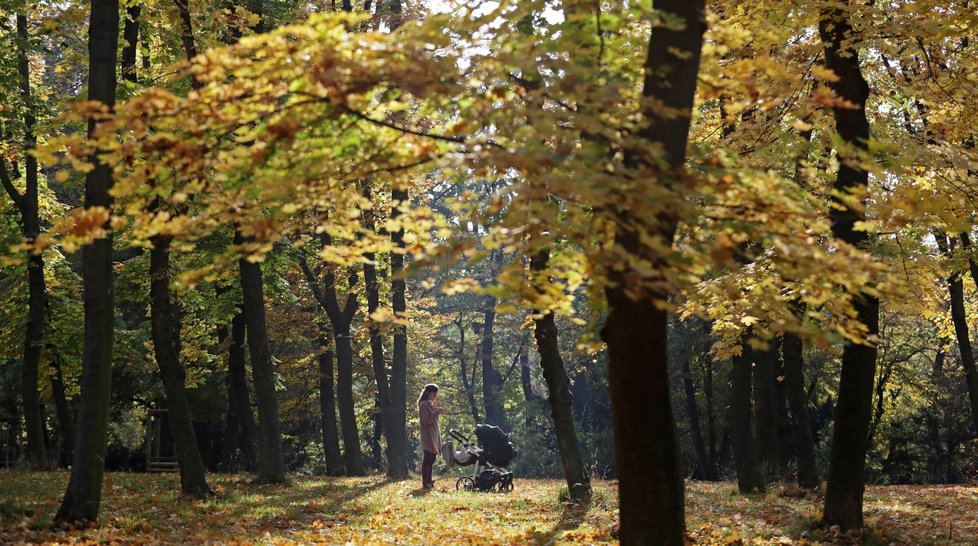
point(426, 467)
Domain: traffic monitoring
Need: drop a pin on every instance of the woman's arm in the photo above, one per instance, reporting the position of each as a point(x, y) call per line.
point(428, 414)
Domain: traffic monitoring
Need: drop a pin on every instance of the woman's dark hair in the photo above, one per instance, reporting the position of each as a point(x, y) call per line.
point(428, 389)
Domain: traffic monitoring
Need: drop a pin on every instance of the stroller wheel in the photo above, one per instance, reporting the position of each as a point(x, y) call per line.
point(465, 483)
point(504, 487)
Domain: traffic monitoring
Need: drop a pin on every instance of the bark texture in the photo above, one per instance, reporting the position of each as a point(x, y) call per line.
point(397, 456)
point(801, 421)
point(84, 493)
point(850, 437)
point(651, 496)
point(741, 422)
point(327, 409)
point(271, 463)
point(559, 397)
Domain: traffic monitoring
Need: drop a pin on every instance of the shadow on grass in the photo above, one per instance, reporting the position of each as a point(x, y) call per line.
point(571, 518)
point(281, 506)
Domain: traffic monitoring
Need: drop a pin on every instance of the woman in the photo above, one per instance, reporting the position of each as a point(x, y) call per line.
point(430, 439)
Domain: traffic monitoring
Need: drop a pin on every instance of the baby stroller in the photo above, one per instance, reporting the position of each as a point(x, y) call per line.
point(488, 459)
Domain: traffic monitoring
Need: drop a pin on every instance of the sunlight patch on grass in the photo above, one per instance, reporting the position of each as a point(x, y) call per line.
point(143, 508)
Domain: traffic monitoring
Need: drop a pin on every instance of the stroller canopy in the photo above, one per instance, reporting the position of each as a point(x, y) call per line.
point(497, 449)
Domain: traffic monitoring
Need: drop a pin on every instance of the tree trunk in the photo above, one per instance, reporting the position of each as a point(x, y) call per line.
point(847, 458)
point(397, 456)
point(784, 448)
point(232, 424)
point(340, 319)
point(464, 372)
point(741, 427)
point(28, 205)
point(65, 421)
point(960, 320)
point(559, 396)
point(193, 480)
point(561, 408)
point(704, 469)
point(376, 450)
point(491, 380)
point(711, 425)
point(530, 397)
point(352, 455)
point(651, 496)
point(396, 450)
point(801, 421)
point(130, 34)
point(765, 422)
point(84, 493)
point(327, 408)
point(245, 426)
point(271, 463)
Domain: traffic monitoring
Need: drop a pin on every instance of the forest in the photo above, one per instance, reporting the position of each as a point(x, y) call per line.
point(707, 266)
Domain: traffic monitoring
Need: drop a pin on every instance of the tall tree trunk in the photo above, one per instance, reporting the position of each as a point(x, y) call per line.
point(232, 423)
point(130, 34)
point(960, 320)
point(765, 423)
point(741, 423)
point(271, 463)
point(704, 469)
point(711, 424)
point(376, 338)
point(651, 496)
point(165, 322)
point(531, 398)
point(847, 458)
point(559, 395)
point(65, 421)
point(84, 493)
point(246, 429)
point(491, 379)
point(327, 408)
point(783, 428)
point(376, 450)
point(801, 421)
point(28, 204)
point(340, 318)
point(352, 454)
point(464, 372)
point(397, 456)
point(193, 480)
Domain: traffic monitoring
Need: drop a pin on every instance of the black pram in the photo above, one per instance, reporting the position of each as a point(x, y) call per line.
point(489, 459)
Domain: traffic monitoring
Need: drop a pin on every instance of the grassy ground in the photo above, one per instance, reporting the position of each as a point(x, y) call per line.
point(146, 509)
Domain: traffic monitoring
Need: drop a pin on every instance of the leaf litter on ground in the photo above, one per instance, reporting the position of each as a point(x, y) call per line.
point(143, 509)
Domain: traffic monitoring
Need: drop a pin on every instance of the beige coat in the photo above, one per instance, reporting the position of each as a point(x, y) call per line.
point(430, 438)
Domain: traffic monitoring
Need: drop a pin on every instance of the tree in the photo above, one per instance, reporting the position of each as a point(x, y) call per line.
point(340, 318)
point(165, 322)
point(271, 462)
point(327, 409)
point(84, 493)
point(651, 482)
point(749, 478)
point(559, 395)
point(27, 205)
point(960, 320)
point(850, 436)
point(801, 423)
point(241, 434)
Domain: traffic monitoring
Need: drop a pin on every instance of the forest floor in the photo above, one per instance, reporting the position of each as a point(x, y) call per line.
point(147, 509)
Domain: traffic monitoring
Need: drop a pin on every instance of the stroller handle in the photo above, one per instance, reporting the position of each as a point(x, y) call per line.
point(457, 435)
